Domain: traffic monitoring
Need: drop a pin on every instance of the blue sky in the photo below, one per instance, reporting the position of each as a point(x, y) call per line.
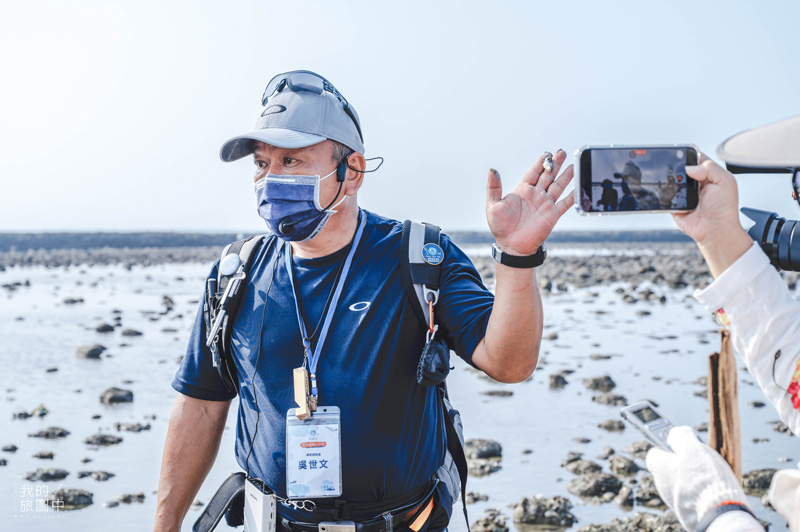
point(114, 112)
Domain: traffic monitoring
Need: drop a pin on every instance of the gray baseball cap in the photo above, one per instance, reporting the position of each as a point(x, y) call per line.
point(630, 170)
point(301, 109)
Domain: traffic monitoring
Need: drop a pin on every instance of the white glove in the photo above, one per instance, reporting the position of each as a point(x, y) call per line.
point(693, 479)
point(784, 495)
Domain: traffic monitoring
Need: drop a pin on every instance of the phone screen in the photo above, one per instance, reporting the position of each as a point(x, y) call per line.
point(637, 179)
point(647, 414)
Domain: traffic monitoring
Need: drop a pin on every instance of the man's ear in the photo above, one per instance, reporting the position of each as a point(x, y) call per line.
point(356, 164)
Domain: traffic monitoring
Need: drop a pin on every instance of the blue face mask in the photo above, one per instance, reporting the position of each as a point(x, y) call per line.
point(290, 205)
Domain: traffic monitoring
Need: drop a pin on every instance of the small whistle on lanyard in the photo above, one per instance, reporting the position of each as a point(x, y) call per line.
point(302, 393)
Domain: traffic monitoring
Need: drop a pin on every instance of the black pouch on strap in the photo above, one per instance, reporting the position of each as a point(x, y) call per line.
point(228, 501)
point(434, 364)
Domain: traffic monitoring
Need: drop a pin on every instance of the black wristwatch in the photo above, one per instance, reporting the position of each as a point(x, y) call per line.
point(517, 261)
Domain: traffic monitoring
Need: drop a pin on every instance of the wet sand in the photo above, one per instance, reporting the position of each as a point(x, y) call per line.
point(615, 310)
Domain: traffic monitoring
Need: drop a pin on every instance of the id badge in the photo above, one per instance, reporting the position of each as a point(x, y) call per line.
point(314, 454)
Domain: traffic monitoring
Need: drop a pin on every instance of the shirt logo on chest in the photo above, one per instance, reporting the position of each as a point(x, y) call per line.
point(358, 307)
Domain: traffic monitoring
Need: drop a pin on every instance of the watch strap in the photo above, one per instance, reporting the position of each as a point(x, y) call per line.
point(519, 261)
point(727, 506)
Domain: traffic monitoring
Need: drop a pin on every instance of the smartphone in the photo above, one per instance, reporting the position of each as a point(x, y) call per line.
point(644, 416)
point(629, 179)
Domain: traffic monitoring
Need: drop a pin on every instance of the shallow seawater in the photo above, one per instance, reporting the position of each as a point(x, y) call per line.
point(38, 331)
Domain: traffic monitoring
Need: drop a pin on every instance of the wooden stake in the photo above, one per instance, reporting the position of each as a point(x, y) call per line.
point(724, 427)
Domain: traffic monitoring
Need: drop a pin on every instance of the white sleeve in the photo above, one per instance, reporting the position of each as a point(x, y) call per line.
point(735, 522)
point(764, 319)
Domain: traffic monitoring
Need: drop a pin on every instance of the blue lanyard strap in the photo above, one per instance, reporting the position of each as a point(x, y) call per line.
point(315, 353)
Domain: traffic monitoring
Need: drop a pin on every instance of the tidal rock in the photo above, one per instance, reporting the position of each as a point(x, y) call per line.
point(780, 426)
point(624, 498)
point(557, 381)
point(50, 433)
point(46, 475)
point(605, 453)
point(492, 521)
point(610, 399)
point(130, 498)
point(104, 328)
point(602, 384)
point(132, 427)
point(44, 455)
point(479, 448)
point(91, 351)
point(545, 284)
point(116, 395)
point(582, 467)
point(571, 457)
point(480, 467)
point(638, 449)
point(642, 522)
point(612, 425)
point(69, 499)
point(550, 511)
point(757, 482)
point(498, 393)
point(102, 440)
point(131, 332)
point(620, 465)
point(473, 497)
point(646, 493)
point(99, 476)
point(594, 485)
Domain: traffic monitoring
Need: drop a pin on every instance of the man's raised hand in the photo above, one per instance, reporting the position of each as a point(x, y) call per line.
point(522, 220)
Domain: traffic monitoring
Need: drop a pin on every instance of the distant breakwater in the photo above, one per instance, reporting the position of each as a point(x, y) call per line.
point(21, 242)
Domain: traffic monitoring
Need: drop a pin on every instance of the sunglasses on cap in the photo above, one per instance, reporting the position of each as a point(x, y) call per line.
point(304, 80)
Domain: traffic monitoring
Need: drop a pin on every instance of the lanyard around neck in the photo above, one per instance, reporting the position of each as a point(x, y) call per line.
point(313, 359)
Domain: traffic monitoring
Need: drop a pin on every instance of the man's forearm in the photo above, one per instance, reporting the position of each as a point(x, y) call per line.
point(193, 437)
point(510, 349)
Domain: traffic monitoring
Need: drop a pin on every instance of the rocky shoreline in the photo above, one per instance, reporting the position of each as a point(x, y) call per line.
point(645, 272)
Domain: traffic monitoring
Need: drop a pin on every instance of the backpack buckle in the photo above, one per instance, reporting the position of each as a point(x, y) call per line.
point(430, 295)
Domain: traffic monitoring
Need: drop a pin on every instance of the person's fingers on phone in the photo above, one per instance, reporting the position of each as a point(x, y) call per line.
point(561, 183)
point(548, 176)
point(494, 188)
point(532, 175)
point(564, 204)
point(682, 440)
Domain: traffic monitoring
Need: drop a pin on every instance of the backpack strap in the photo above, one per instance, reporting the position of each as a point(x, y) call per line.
point(420, 245)
point(455, 444)
point(230, 493)
point(222, 300)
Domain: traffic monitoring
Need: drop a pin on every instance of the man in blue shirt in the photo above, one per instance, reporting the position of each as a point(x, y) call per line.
point(327, 296)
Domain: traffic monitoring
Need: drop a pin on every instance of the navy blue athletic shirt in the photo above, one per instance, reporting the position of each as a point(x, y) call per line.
point(393, 435)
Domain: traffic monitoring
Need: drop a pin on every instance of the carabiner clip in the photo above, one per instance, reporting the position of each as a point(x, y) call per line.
point(430, 334)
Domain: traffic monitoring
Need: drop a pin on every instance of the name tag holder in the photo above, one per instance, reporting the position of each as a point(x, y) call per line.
point(314, 453)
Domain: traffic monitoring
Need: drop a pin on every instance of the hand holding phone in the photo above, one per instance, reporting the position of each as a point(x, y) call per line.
point(644, 416)
point(627, 179)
